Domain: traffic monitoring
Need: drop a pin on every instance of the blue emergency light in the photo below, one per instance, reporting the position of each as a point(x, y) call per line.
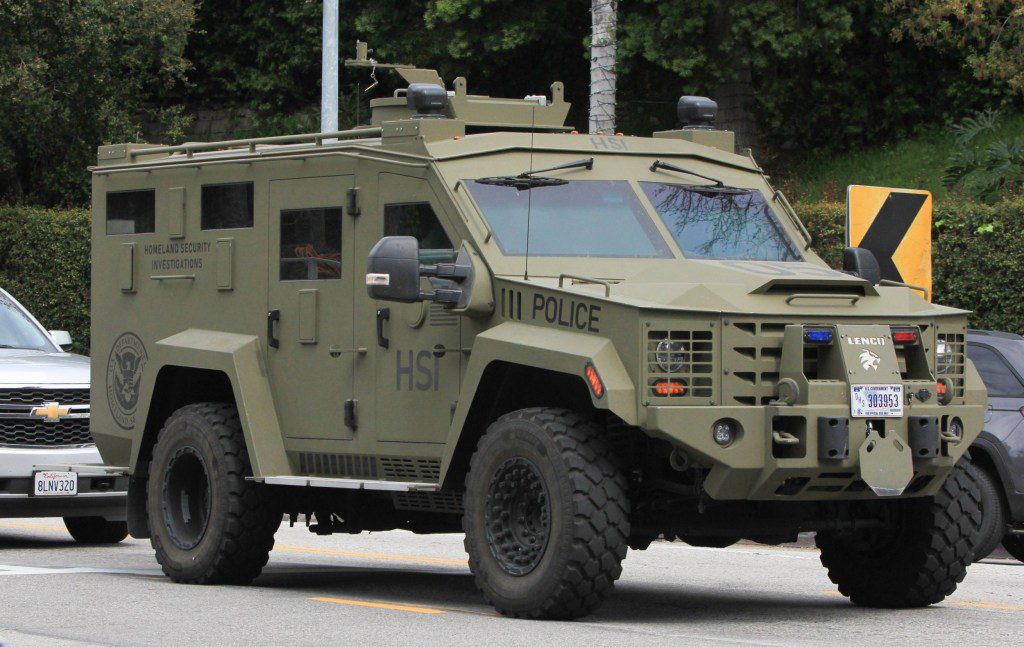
point(818, 335)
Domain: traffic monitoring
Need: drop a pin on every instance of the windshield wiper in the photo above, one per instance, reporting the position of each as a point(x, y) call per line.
point(672, 167)
point(525, 180)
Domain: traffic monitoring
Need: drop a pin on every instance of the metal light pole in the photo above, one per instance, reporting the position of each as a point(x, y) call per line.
point(329, 70)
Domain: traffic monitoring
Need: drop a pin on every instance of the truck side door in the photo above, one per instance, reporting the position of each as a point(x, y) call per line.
point(416, 358)
point(310, 356)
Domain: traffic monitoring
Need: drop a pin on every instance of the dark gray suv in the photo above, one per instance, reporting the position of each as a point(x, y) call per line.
point(997, 456)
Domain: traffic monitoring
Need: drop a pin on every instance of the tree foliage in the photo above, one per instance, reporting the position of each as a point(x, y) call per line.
point(989, 32)
point(76, 74)
point(822, 74)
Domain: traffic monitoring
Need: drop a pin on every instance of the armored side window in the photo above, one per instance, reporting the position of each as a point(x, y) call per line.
point(419, 220)
point(131, 212)
point(311, 244)
point(227, 206)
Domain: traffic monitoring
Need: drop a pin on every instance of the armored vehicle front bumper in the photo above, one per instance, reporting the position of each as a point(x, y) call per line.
point(755, 466)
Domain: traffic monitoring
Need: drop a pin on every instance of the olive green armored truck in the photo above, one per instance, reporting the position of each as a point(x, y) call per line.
point(467, 317)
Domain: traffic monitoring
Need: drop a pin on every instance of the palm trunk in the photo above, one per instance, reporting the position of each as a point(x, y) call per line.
point(604, 17)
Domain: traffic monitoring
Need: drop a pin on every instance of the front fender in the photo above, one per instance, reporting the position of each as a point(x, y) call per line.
point(238, 357)
point(555, 350)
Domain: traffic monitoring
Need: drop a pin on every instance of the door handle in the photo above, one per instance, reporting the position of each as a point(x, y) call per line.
point(383, 314)
point(272, 317)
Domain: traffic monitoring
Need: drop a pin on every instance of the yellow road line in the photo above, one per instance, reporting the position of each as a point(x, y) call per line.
point(995, 606)
point(31, 526)
point(380, 605)
point(353, 553)
point(986, 605)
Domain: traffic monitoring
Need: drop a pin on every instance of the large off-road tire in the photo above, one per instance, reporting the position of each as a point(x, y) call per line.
point(208, 524)
point(1014, 544)
point(993, 512)
point(546, 515)
point(96, 530)
point(916, 561)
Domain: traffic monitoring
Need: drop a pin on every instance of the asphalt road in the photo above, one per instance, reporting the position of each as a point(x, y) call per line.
point(397, 588)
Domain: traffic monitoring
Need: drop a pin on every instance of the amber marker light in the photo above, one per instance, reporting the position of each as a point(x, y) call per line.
point(667, 388)
point(594, 380)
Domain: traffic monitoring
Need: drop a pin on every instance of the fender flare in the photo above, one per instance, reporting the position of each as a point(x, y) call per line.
point(555, 350)
point(239, 357)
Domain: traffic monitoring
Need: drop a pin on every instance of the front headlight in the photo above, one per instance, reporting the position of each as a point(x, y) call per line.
point(943, 356)
point(671, 356)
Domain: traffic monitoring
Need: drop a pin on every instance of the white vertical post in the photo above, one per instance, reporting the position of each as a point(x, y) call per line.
point(329, 69)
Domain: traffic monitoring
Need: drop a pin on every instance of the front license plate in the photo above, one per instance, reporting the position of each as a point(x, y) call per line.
point(55, 484)
point(876, 401)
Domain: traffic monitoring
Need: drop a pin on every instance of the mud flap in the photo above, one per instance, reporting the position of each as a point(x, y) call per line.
point(885, 464)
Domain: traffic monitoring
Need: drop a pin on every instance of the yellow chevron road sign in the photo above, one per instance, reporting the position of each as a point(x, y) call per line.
point(896, 225)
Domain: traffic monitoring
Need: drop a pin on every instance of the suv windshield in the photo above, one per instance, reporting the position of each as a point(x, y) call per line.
point(737, 225)
point(601, 218)
point(17, 330)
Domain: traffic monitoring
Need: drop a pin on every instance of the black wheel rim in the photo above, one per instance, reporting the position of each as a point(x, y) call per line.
point(186, 500)
point(517, 515)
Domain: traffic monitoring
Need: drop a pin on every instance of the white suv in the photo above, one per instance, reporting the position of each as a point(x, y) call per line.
point(49, 465)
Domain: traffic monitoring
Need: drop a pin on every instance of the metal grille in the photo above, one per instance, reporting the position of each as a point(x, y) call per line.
point(675, 356)
point(955, 372)
point(38, 433)
point(411, 469)
point(753, 356)
point(351, 465)
point(39, 396)
point(446, 502)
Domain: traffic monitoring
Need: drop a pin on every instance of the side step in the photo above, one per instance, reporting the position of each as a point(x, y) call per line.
point(346, 484)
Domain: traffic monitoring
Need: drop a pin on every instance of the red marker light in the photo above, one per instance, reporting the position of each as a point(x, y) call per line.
point(667, 388)
point(594, 380)
point(940, 388)
point(904, 336)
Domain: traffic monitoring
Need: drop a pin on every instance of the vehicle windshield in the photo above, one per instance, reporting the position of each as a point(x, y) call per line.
point(735, 225)
point(602, 218)
point(17, 330)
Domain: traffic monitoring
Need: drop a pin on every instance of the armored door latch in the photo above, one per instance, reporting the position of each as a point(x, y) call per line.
point(350, 415)
point(353, 201)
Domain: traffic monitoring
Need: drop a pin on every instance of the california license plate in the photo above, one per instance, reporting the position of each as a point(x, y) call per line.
point(55, 484)
point(876, 400)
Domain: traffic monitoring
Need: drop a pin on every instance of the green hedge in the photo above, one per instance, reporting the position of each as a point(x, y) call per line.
point(44, 264)
point(977, 252)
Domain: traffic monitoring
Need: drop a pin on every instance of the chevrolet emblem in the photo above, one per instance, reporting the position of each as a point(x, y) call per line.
point(50, 411)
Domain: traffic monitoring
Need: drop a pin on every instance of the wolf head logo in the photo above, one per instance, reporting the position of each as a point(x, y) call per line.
point(869, 360)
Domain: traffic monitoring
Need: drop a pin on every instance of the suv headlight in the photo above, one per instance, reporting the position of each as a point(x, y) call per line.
point(943, 356)
point(671, 356)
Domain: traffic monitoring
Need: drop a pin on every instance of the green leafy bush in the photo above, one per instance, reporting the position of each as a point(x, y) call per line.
point(985, 170)
point(44, 264)
point(977, 252)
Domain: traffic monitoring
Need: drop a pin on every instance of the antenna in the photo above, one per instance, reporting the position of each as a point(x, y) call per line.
point(529, 195)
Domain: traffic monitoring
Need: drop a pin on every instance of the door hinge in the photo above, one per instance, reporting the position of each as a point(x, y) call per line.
point(353, 201)
point(350, 414)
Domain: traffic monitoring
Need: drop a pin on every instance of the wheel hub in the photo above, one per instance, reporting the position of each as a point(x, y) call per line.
point(517, 516)
point(186, 498)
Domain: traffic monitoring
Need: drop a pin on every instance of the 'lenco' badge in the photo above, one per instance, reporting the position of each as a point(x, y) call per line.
point(378, 279)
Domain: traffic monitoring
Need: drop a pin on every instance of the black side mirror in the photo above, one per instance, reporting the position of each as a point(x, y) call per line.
point(393, 270)
point(861, 262)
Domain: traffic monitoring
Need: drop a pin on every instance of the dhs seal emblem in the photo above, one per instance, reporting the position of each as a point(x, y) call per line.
point(124, 372)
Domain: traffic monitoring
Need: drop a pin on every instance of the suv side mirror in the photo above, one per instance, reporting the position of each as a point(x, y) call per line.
point(62, 338)
point(861, 262)
point(393, 270)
